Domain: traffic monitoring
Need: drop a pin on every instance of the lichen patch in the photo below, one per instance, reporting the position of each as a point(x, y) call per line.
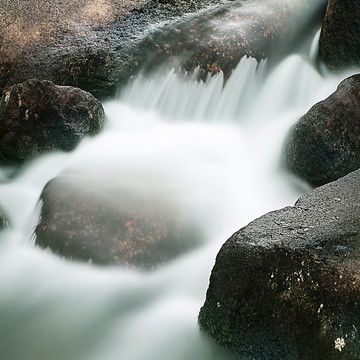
point(7, 97)
point(99, 11)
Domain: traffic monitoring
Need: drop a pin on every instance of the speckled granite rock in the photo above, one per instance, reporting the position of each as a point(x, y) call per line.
point(82, 43)
point(217, 39)
point(339, 44)
point(98, 45)
point(287, 286)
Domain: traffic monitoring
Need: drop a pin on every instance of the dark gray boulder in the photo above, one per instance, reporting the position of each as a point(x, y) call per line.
point(83, 220)
point(287, 286)
point(324, 144)
point(38, 116)
point(339, 44)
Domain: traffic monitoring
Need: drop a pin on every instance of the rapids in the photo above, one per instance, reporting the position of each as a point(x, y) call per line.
point(218, 145)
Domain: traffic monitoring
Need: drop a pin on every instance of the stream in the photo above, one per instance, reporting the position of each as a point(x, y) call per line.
point(218, 145)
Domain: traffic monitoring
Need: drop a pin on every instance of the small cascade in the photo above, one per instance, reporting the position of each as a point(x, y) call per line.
point(183, 97)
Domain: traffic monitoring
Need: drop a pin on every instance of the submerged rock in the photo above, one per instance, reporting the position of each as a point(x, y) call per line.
point(38, 116)
point(88, 221)
point(324, 144)
point(287, 286)
point(339, 44)
point(3, 221)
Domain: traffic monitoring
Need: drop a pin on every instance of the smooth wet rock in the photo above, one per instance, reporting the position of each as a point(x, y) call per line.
point(324, 144)
point(38, 116)
point(339, 44)
point(287, 286)
point(84, 220)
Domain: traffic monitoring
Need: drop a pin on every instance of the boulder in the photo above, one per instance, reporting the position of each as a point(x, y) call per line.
point(324, 144)
point(38, 116)
point(99, 45)
point(81, 43)
point(217, 39)
point(339, 45)
point(287, 285)
point(107, 224)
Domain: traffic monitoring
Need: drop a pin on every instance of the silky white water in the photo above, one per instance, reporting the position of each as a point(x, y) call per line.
point(216, 147)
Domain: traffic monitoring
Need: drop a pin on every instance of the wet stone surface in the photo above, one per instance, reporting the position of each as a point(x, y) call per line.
point(216, 40)
point(3, 221)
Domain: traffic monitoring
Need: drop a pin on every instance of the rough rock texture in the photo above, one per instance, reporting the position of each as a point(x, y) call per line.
point(339, 45)
point(82, 43)
point(83, 220)
point(287, 286)
point(38, 116)
point(217, 39)
point(324, 144)
point(99, 45)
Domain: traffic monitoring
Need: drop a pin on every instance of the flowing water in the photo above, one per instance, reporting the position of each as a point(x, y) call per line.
point(218, 146)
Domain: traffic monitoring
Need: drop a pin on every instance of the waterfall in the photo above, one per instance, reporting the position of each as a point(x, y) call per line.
point(217, 145)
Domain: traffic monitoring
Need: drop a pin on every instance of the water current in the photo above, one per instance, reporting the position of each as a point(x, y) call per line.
point(218, 146)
